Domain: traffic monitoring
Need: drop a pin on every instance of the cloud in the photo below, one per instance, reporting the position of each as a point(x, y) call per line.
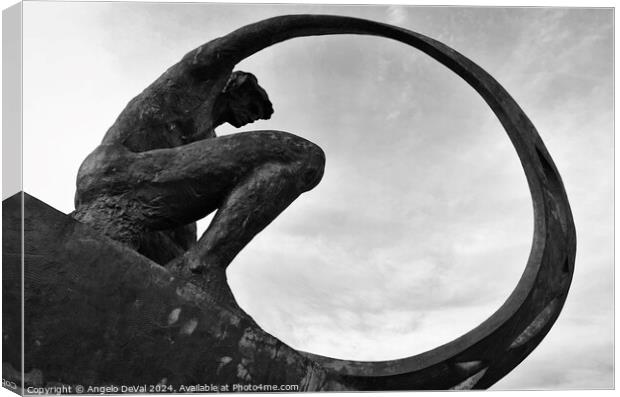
point(396, 15)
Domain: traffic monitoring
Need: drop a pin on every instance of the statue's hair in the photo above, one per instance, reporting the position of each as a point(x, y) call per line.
point(238, 78)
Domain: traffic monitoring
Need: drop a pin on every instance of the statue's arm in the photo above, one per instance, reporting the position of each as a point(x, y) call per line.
point(177, 108)
point(179, 103)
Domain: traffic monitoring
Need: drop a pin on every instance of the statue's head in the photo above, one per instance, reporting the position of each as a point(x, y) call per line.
point(243, 101)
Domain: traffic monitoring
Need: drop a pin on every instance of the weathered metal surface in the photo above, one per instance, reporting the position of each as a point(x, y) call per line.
point(98, 313)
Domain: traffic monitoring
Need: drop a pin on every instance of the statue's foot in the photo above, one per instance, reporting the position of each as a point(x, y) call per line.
point(211, 280)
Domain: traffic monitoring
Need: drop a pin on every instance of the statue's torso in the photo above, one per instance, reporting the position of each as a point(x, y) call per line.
point(168, 114)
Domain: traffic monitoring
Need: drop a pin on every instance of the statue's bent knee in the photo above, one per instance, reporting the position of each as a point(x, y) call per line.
point(314, 166)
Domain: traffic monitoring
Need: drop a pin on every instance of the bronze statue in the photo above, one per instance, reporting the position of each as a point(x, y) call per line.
point(160, 167)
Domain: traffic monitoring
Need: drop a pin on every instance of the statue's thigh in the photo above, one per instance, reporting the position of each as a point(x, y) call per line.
point(185, 183)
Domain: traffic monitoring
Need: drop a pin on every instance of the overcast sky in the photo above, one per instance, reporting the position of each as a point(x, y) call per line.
point(422, 224)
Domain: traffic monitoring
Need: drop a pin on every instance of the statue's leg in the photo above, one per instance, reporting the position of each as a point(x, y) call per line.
point(249, 177)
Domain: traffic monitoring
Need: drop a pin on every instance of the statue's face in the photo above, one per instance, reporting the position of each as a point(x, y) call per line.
point(246, 100)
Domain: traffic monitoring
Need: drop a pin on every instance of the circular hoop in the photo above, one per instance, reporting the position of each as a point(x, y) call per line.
point(485, 354)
